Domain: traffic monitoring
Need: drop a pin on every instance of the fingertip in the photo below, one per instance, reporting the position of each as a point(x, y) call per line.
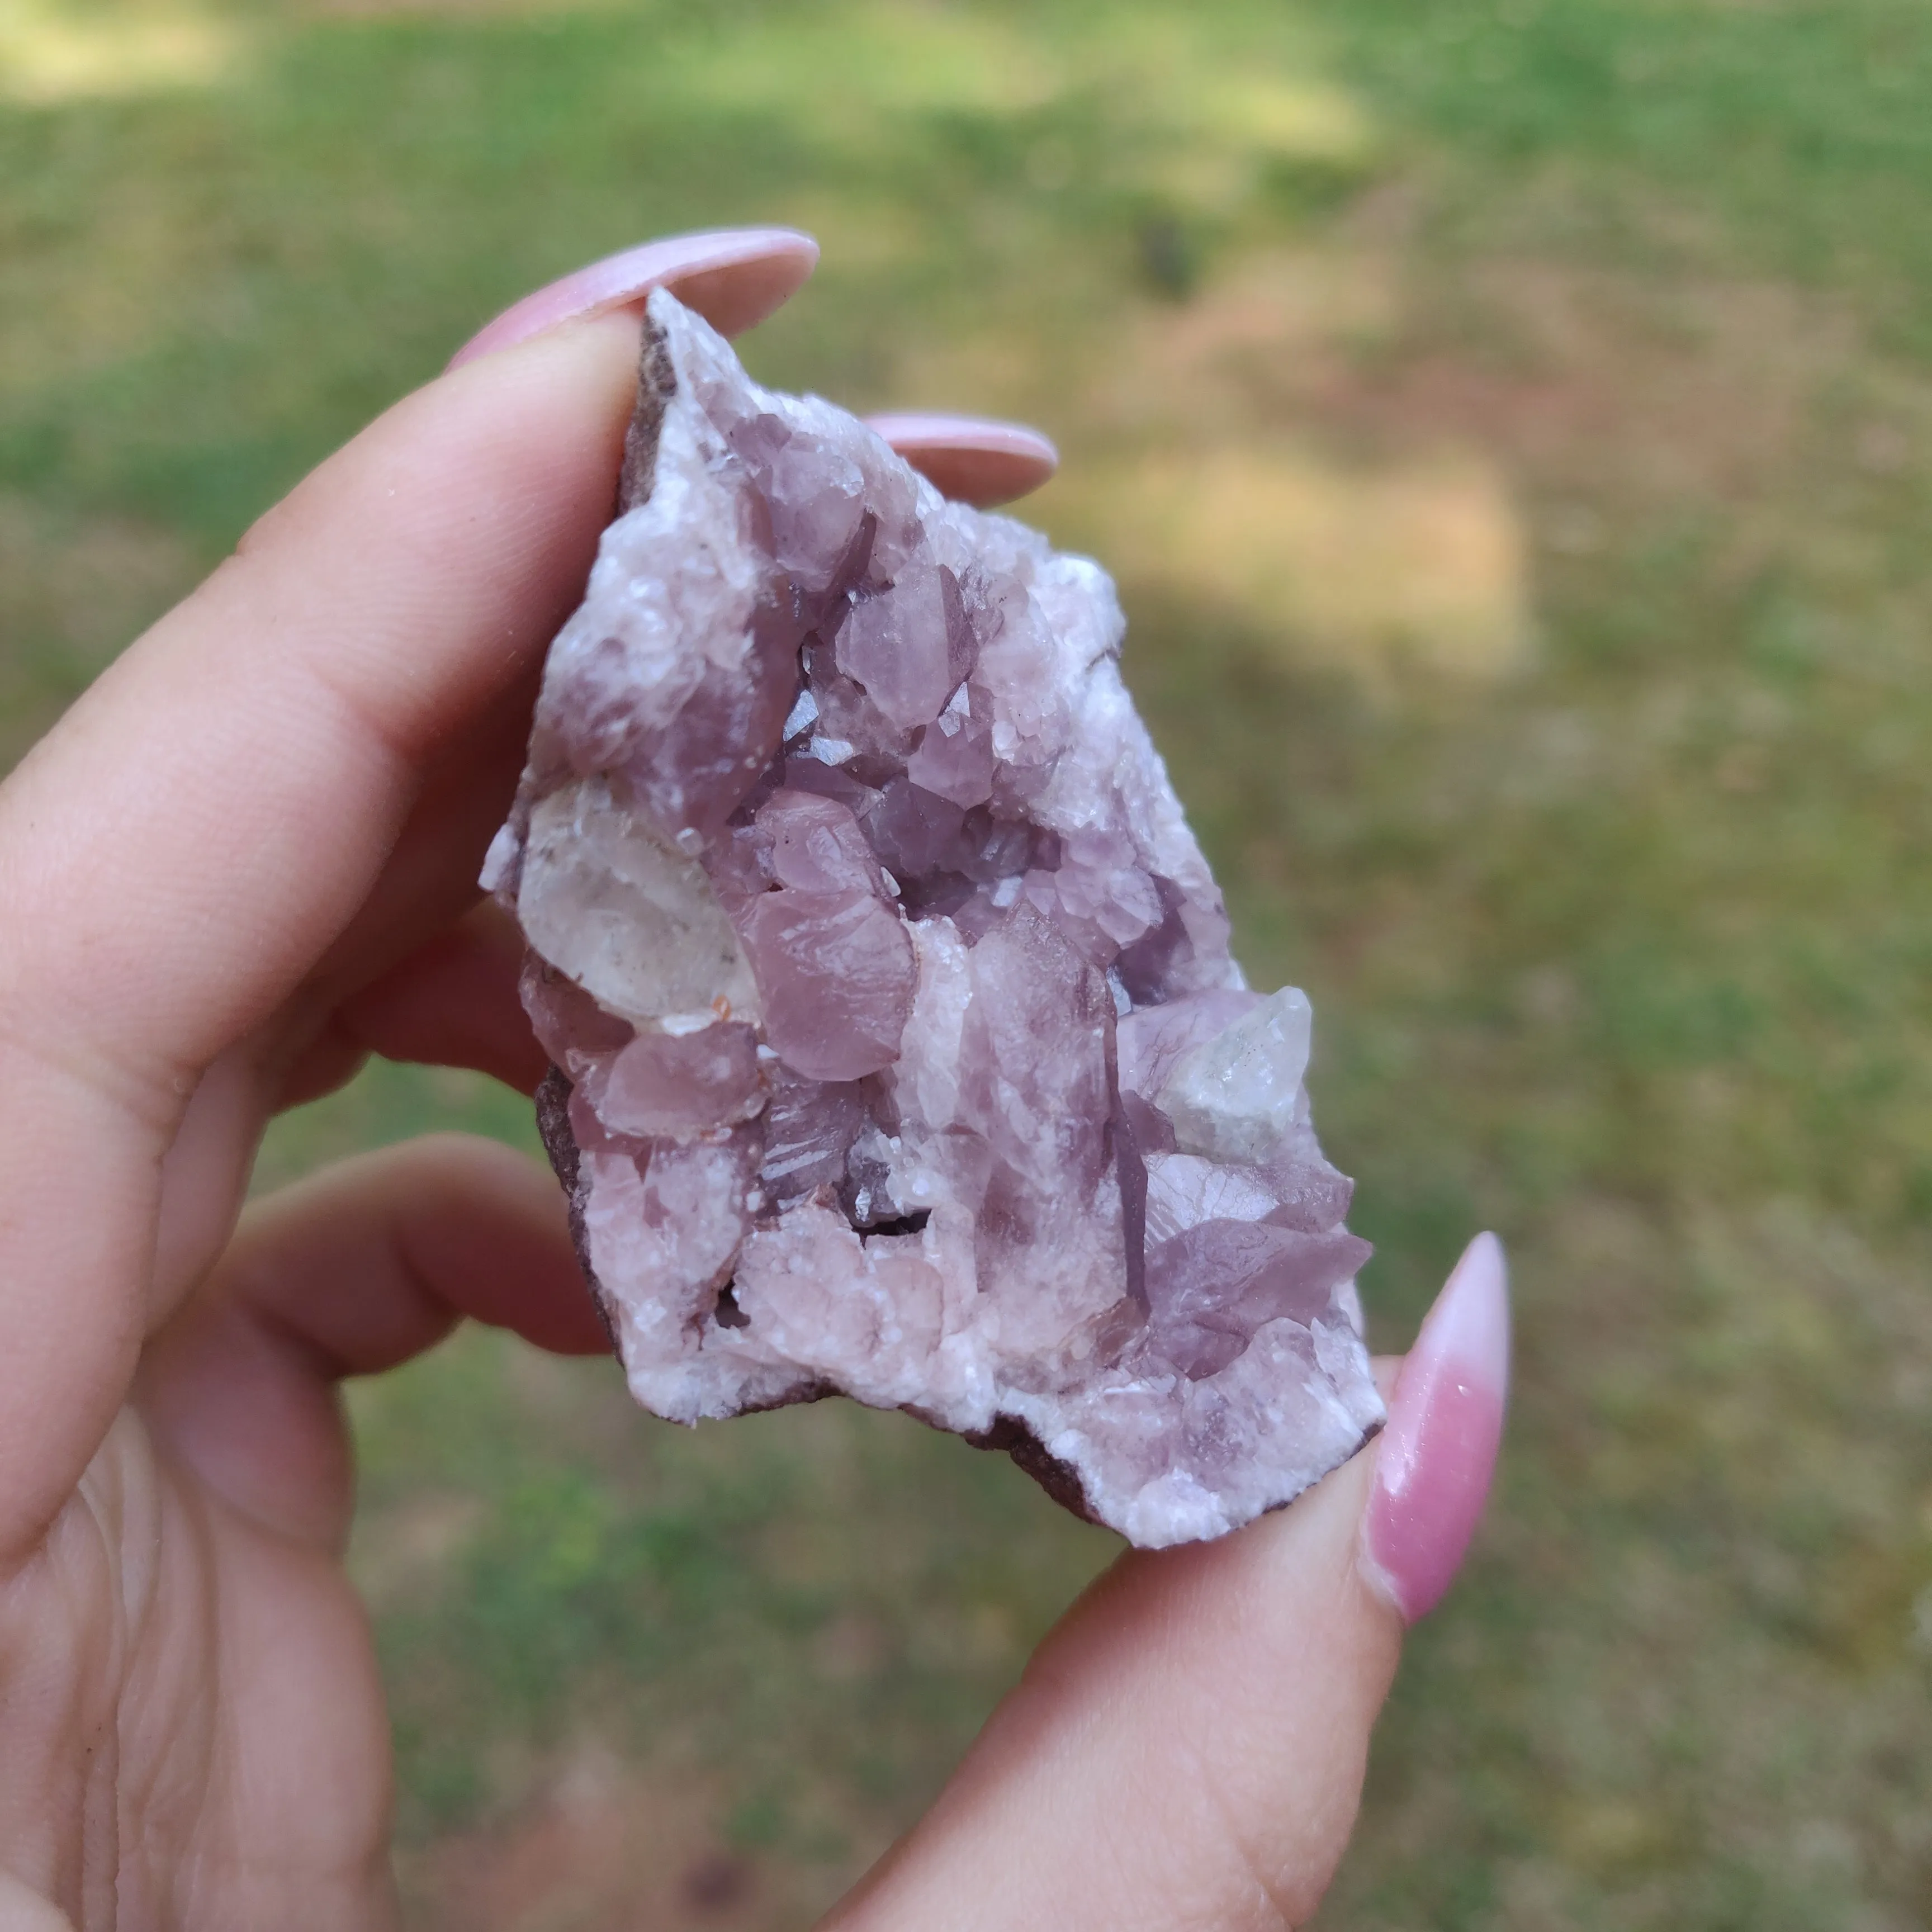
point(739, 294)
point(734, 277)
point(453, 1002)
point(976, 460)
point(487, 1227)
point(1256, 1663)
point(1436, 1459)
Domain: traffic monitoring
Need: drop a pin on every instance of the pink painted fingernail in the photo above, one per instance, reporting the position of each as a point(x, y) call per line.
point(975, 458)
point(732, 277)
point(1438, 1452)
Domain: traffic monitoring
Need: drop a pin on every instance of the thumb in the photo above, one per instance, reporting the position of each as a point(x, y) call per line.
point(1187, 1747)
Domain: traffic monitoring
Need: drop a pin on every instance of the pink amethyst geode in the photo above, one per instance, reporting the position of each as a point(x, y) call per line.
point(897, 1049)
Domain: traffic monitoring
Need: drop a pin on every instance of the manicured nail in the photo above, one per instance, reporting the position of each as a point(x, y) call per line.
point(732, 277)
point(1437, 1451)
point(973, 459)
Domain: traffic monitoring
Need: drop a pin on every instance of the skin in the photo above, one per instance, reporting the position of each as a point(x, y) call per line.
point(245, 859)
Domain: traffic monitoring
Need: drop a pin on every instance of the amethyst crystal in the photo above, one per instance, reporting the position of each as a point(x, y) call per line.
point(897, 1049)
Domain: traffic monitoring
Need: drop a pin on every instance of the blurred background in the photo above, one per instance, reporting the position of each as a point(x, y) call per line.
point(1511, 422)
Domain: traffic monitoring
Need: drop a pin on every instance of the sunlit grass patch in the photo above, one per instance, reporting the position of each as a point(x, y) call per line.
point(52, 51)
point(1420, 567)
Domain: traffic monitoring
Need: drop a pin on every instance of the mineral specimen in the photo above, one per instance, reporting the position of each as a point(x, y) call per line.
point(897, 1049)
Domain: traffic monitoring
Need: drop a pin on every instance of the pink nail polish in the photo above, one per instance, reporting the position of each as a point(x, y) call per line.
point(732, 277)
point(975, 458)
point(1438, 1452)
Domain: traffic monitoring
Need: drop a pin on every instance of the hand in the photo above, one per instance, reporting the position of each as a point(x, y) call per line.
point(245, 859)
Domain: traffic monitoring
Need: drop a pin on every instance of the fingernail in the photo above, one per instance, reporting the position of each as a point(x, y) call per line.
point(732, 277)
point(1437, 1451)
point(976, 459)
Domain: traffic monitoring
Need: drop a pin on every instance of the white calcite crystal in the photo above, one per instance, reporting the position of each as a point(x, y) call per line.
point(897, 1049)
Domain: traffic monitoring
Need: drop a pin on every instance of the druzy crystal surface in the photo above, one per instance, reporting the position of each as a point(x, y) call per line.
point(898, 1050)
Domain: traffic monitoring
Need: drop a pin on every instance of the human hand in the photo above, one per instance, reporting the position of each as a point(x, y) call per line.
point(245, 859)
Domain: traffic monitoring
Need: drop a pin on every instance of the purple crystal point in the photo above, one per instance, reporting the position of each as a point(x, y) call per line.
point(898, 1050)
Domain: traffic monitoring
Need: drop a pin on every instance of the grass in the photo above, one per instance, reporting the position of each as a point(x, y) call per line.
point(1549, 678)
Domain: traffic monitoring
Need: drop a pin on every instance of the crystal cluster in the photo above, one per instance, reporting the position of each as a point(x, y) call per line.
point(897, 1049)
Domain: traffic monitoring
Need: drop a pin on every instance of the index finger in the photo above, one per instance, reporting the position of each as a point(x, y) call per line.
point(178, 852)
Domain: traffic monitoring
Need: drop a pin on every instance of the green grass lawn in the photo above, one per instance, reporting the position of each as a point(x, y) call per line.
point(1512, 424)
